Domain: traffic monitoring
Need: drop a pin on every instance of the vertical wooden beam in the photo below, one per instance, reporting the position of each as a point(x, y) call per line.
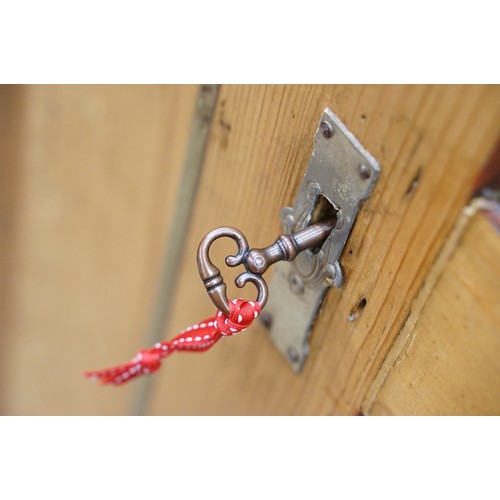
point(446, 359)
point(176, 239)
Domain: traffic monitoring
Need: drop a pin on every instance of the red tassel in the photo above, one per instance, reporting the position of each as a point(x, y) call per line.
point(197, 338)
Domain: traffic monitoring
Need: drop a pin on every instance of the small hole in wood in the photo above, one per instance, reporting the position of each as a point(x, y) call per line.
point(356, 310)
point(414, 183)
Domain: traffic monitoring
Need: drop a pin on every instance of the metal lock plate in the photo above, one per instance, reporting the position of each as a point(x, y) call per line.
point(340, 175)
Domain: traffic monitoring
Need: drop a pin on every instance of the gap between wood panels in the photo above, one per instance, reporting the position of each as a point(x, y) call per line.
point(406, 336)
point(200, 130)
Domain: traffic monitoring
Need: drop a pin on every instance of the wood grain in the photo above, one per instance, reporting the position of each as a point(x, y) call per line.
point(430, 141)
point(98, 172)
point(450, 361)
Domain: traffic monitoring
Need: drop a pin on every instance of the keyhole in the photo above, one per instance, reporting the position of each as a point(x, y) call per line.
point(322, 210)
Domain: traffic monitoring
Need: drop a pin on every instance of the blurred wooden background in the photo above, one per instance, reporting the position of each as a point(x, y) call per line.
point(90, 179)
point(92, 174)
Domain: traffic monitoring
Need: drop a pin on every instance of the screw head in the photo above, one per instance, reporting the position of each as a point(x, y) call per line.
point(331, 271)
point(364, 171)
point(326, 129)
point(313, 189)
point(292, 354)
point(331, 275)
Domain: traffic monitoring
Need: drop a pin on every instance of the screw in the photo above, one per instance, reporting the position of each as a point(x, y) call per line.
point(364, 171)
point(266, 319)
point(296, 284)
point(330, 275)
point(314, 189)
point(293, 355)
point(326, 129)
point(331, 271)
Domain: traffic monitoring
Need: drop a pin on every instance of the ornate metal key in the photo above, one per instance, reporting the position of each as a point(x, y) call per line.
point(340, 175)
point(256, 261)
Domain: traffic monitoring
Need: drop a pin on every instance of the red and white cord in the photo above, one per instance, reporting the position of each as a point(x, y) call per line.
point(196, 338)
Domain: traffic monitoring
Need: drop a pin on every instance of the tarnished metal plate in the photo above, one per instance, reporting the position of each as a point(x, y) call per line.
point(342, 172)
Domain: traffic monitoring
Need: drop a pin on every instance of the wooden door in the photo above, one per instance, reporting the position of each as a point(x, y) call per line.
point(92, 195)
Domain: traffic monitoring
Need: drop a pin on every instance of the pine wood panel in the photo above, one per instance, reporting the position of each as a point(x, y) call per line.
point(430, 142)
point(97, 170)
point(450, 364)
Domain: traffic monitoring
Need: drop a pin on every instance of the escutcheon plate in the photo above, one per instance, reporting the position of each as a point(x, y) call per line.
point(340, 173)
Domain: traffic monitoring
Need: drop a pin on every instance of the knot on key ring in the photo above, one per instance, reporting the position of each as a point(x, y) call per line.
point(241, 315)
point(149, 360)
